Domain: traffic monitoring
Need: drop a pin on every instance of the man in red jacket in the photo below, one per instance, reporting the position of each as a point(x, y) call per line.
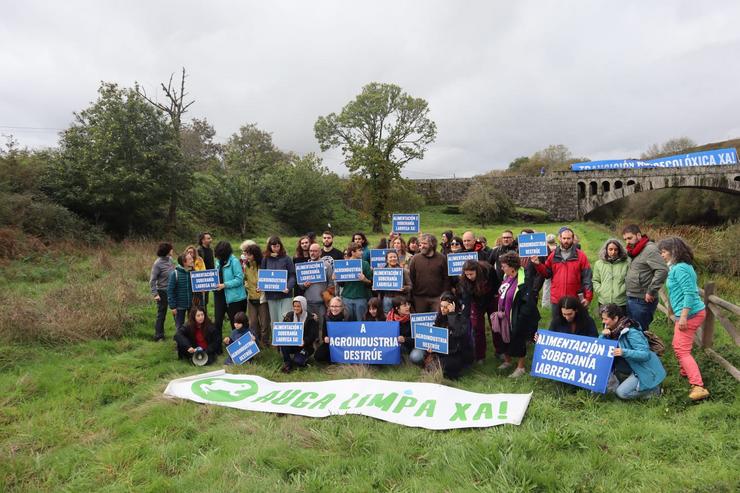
point(569, 270)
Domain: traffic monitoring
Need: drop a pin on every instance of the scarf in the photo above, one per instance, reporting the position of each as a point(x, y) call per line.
point(623, 323)
point(634, 251)
point(395, 317)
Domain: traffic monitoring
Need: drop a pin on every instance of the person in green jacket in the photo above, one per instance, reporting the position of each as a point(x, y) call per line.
point(609, 275)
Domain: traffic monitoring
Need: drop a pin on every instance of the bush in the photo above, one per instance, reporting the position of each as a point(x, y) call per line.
point(486, 204)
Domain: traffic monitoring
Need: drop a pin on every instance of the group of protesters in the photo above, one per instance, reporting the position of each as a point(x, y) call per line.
point(496, 286)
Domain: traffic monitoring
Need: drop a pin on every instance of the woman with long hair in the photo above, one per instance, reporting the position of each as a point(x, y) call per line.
point(392, 262)
point(197, 335)
point(412, 246)
point(276, 258)
point(401, 312)
point(400, 247)
point(477, 290)
point(198, 264)
point(445, 241)
point(571, 317)
point(360, 238)
point(688, 307)
point(257, 311)
point(609, 274)
point(232, 286)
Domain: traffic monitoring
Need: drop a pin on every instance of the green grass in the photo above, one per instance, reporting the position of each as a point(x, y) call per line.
point(91, 417)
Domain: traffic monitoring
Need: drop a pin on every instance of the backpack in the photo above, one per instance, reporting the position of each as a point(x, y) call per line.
point(656, 343)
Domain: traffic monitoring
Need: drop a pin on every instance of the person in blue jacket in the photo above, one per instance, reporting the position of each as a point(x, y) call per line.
point(231, 275)
point(647, 371)
point(179, 290)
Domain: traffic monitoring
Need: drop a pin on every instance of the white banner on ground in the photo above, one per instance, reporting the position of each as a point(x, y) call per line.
point(423, 405)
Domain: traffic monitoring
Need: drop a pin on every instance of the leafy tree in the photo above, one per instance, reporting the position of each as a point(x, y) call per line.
point(673, 146)
point(486, 204)
point(251, 150)
point(518, 163)
point(378, 132)
point(115, 162)
point(200, 151)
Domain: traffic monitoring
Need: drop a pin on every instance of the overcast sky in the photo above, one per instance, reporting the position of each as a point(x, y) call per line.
point(502, 79)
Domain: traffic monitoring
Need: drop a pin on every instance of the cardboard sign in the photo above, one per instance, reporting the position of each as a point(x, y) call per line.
point(272, 280)
point(405, 223)
point(287, 333)
point(390, 279)
point(533, 244)
point(347, 270)
point(369, 343)
point(577, 360)
point(204, 280)
point(242, 349)
point(310, 272)
point(455, 262)
point(430, 337)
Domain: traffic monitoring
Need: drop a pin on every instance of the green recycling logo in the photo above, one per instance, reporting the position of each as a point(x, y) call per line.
point(224, 389)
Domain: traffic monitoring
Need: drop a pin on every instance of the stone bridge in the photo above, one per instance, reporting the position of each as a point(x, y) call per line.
point(568, 196)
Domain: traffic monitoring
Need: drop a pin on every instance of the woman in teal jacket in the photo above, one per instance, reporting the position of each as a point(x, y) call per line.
point(232, 283)
point(609, 274)
point(179, 290)
point(647, 370)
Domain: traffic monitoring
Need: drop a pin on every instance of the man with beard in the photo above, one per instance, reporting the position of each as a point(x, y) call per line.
point(329, 250)
point(428, 273)
point(645, 276)
point(508, 244)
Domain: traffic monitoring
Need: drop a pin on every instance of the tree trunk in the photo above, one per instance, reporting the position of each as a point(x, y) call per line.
point(172, 213)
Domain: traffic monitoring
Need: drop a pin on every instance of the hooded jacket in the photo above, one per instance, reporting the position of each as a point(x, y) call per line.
point(233, 280)
point(310, 324)
point(609, 276)
point(569, 277)
point(644, 363)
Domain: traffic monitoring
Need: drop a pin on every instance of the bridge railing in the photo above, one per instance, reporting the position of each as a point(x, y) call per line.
point(704, 337)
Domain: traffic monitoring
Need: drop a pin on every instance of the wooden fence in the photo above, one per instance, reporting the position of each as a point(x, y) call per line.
point(704, 337)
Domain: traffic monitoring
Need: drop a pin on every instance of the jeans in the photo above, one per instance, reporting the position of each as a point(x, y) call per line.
point(629, 389)
point(356, 308)
point(641, 311)
point(180, 318)
point(161, 314)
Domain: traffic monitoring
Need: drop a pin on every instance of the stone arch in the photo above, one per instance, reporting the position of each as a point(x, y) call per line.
point(581, 190)
point(630, 182)
point(593, 188)
point(605, 186)
point(618, 185)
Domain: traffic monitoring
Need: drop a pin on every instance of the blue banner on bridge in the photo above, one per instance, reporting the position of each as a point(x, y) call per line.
point(717, 157)
point(577, 360)
point(369, 343)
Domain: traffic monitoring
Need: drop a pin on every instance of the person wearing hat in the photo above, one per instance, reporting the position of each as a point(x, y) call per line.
point(569, 269)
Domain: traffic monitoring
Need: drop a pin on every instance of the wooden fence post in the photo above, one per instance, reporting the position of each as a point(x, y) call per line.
point(707, 338)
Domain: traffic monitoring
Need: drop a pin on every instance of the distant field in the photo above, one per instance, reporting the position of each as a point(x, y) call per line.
point(90, 415)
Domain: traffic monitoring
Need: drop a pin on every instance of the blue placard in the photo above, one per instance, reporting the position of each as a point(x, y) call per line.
point(390, 279)
point(427, 318)
point(310, 272)
point(368, 343)
point(455, 262)
point(204, 280)
point(242, 349)
point(533, 244)
point(287, 333)
point(717, 157)
point(430, 337)
point(272, 280)
point(347, 270)
point(405, 223)
point(377, 257)
point(578, 360)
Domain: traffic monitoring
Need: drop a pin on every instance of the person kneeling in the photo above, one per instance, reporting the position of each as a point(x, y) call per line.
point(460, 348)
point(401, 312)
point(647, 370)
point(197, 334)
point(241, 328)
point(298, 355)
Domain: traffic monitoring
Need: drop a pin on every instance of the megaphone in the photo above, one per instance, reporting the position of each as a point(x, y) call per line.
point(200, 357)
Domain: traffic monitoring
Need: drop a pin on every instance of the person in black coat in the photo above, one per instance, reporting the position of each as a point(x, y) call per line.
point(298, 355)
point(198, 333)
point(335, 313)
point(460, 348)
point(573, 318)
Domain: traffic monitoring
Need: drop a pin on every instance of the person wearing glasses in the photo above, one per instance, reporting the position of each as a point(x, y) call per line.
point(335, 313)
point(508, 244)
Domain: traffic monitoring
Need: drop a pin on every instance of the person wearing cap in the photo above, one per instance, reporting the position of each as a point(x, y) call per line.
point(569, 269)
point(551, 244)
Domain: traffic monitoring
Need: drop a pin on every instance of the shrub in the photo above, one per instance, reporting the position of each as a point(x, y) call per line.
point(485, 204)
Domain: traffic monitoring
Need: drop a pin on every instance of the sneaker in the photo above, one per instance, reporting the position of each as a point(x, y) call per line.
point(505, 365)
point(518, 373)
point(698, 393)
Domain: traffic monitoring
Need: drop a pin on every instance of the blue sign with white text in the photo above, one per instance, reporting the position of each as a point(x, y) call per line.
point(204, 280)
point(287, 333)
point(405, 223)
point(347, 270)
point(242, 349)
point(427, 318)
point(430, 337)
point(377, 257)
point(533, 244)
point(455, 262)
point(577, 360)
point(310, 272)
point(272, 280)
point(717, 157)
point(388, 279)
point(368, 343)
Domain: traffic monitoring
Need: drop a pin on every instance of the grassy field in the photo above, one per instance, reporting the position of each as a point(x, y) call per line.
point(89, 415)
